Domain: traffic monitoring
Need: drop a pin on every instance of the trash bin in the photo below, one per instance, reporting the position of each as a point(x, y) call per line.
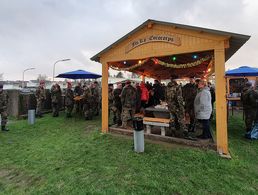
point(31, 117)
point(138, 134)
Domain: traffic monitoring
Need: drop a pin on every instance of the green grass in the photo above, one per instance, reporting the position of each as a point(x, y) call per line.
point(71, 156)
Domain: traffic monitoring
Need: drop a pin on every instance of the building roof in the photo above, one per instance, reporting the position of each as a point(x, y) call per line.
point(236, 40)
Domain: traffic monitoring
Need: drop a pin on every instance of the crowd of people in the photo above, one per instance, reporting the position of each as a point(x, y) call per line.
point(88, 100)
point(195, 100)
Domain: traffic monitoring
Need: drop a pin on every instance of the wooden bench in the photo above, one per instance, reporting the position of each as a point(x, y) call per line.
point(160, 122)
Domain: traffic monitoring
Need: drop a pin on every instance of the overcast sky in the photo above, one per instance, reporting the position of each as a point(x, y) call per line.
point(36, 33)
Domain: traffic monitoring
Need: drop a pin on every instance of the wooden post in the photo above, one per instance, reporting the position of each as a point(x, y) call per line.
point(221, 107)
point(104, 97)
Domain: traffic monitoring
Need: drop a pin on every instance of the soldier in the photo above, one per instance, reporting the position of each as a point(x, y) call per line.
point(87, 103)
point(110, 97)
point(249, 99)
point(56, 94)
point(189, 94)
point(3, 107)
point(69, 101)
point(78, 91)
point(40, 96)
point(96, 97)
point(117, 109)
point(176, 107)
point(128, 99)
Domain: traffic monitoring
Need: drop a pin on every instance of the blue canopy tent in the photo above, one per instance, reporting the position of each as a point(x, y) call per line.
point(243, 71)
point(79, 74)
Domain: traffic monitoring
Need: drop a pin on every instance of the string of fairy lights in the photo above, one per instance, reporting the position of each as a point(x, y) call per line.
point(168, 65)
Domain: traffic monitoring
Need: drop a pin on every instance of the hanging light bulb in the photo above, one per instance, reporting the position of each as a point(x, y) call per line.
point(156, 61)
point(195, 56)
point(209, 70)
point(139, 62)
point(124, 62)
point(174, 58)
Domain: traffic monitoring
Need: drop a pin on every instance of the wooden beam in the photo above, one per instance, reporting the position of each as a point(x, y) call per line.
point(221, 107)
point(104, 97)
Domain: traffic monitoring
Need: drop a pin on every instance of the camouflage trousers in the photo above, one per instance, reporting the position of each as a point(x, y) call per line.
point(69, 110)
point(39, 108)
point(4, 116)
point(116, 115)
point(190, 110)
point(250, 116)
point(95, 107)
point(178, 117)
point(87, 111)
point(55, 108)
point(127, 114)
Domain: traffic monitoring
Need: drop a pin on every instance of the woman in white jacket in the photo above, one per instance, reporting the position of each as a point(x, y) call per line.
point(203, 108)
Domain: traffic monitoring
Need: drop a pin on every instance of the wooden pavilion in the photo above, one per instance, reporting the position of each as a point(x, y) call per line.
point(160, 49)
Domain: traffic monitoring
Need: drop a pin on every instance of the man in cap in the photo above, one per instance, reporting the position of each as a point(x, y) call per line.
point(128, 100)
point(56, 94)
point(176, 106)
point(40, 96)
point(189, 93)
point(3, 107)
point(69, 100)
point(249, 99)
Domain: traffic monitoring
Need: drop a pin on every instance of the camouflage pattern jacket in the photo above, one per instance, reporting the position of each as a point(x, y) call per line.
point(55, 94)
point(117, 98)
point(249, 97)
point(110, 98)
point(40, 94)
point(3, 100)
point(69, 95)
point(128, 97)
point(87, 96)
point(174, 97)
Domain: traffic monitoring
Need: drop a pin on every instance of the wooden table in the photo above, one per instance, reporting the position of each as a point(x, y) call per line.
point(159, 112)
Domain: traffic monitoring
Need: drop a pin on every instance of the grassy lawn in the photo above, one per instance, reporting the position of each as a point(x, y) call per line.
point(71, 156)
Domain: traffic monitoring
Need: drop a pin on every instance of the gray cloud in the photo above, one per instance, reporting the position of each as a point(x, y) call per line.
point(37, 33)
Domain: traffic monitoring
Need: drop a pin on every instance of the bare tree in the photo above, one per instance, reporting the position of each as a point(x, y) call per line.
point(42, 77)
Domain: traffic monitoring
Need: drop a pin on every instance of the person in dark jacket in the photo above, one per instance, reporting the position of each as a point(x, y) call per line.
point(158, 92)
point(117, 105)
point(138, 98)
point(249, 98)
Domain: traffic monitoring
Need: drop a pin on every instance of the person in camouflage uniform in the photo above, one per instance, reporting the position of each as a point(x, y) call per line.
point(69, 100)
point(176, 107)
point(189, 93)
point(95, 91)
point(110, 97)
point(87, 103)
point(117, 108)
point(40, 96)
point(249, 98)
point(56, 94)
point(128, 100)
point(3, 107)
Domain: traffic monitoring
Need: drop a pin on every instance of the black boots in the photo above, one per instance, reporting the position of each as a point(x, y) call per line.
point(4, 128)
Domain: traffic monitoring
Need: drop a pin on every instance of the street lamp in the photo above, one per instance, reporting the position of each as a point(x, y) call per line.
point(23, 75)
point(55, 66)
